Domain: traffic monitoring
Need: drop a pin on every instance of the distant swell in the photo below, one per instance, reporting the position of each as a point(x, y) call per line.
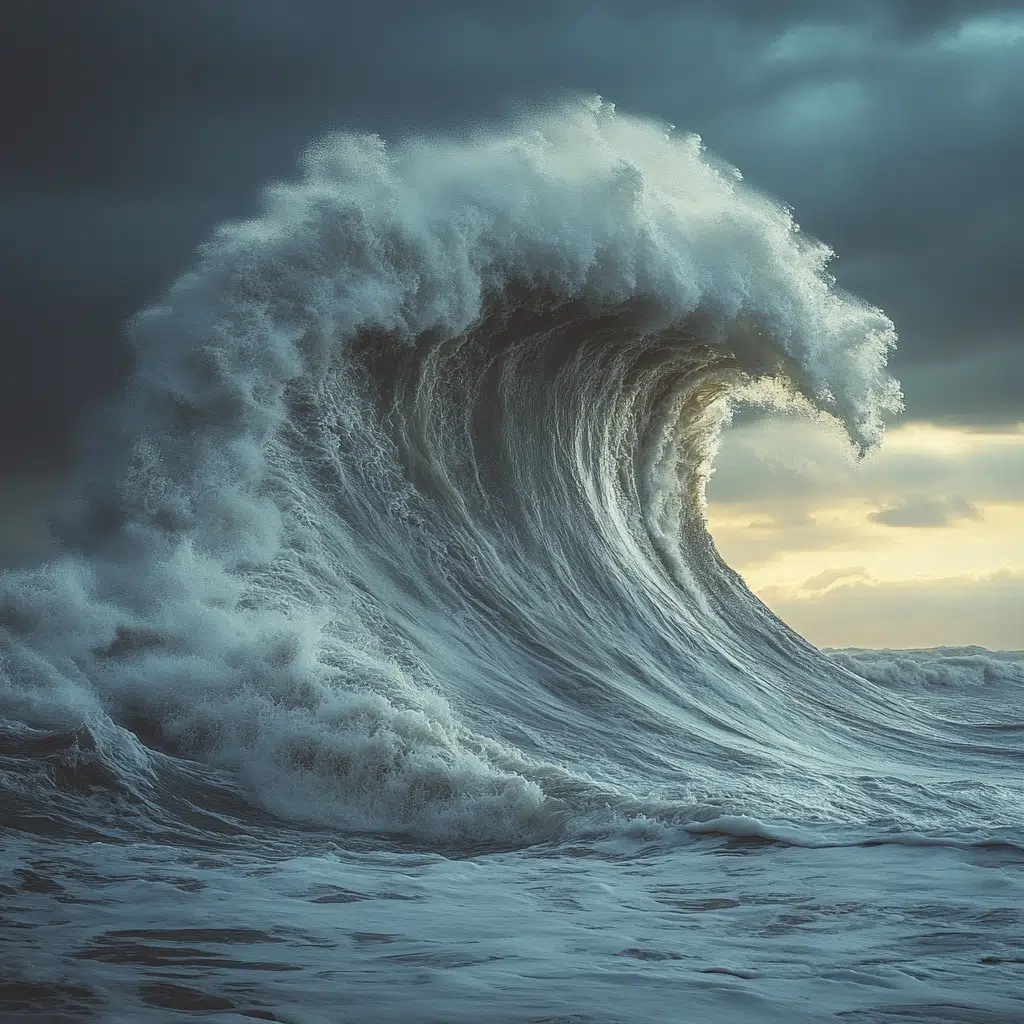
point(401, 519)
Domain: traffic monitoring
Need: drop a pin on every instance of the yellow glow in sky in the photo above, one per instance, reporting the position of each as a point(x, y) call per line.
point(934, 517)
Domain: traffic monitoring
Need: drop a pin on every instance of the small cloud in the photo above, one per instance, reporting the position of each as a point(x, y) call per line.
point(825, 579)
point(784, 519)
point(921, 511)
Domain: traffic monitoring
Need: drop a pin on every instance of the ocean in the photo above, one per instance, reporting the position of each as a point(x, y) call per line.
point(385, 668)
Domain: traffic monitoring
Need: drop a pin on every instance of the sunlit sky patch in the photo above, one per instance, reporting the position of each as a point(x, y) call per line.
point(936, 512)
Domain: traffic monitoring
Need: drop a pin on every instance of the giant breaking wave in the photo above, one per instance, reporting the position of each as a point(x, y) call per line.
point(401, 520)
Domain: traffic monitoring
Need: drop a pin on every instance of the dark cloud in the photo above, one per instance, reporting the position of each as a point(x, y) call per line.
point(919, 510)
point(903, 156)
point(134, 127)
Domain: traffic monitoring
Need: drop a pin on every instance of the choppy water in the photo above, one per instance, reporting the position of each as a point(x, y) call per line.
point(387, 670)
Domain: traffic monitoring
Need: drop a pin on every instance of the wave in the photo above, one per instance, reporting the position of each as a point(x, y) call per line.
point(401, 518)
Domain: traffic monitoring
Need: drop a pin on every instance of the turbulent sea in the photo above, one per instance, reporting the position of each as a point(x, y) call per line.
point(386, 670)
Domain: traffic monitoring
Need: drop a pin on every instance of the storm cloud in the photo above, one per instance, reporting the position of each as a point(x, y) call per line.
point(893, 129)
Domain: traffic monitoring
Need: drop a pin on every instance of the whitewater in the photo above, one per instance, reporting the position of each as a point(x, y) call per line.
point(385, 669)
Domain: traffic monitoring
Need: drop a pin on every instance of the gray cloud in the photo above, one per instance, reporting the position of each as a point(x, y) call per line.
point(788, 467)
point(919, 510)
point(829, 577)
point(892, 131)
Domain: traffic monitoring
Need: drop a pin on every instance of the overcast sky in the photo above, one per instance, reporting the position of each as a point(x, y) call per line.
point(894, 130)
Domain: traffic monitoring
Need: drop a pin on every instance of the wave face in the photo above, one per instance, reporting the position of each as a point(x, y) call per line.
point(401, 520)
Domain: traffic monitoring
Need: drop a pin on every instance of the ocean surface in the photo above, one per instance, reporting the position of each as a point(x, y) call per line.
point(385, 669)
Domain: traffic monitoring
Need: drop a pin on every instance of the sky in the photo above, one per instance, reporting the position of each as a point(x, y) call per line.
point(892, 127)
